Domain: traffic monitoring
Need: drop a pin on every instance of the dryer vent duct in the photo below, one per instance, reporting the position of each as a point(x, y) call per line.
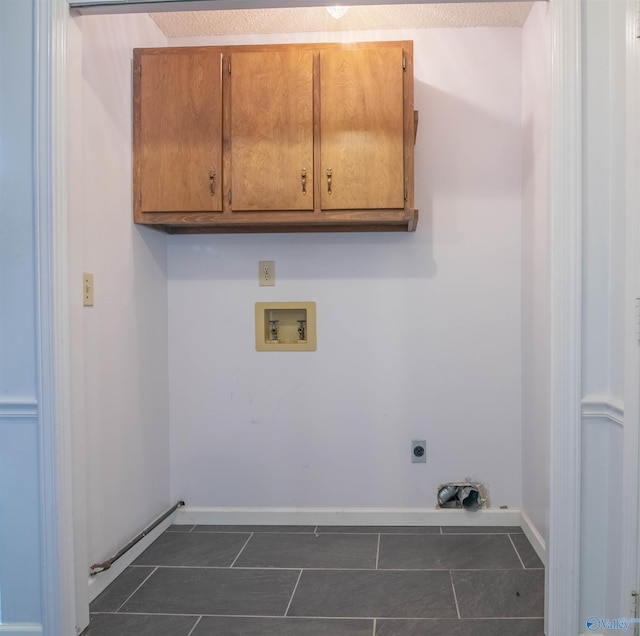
point(464, 495)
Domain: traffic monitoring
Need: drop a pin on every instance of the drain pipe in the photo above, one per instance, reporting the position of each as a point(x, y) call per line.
point(96, 568)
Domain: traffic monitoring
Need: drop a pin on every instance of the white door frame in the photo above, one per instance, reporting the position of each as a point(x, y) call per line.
point(563, 546)
point(50, 171)
point(566, 243)
point(631, 444)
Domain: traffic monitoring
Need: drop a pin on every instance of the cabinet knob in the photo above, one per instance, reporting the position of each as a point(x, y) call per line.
point(212, 181)
point(303, 176)
point(329, 175)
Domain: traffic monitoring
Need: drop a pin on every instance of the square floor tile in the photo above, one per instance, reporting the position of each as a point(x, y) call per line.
point(500, 593)
point(370, 594)
point(195, 550)
point(381, 529)
point(120, 590)
point(473, 551)
point(528, 555)
point(460, 627)
point(481, 529)
point(214, 591)
point(242, 626)
point(224, 528)
point(139, 625)
point(310, 551)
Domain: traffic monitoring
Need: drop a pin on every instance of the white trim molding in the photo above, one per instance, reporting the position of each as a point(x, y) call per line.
point(603, 407)
point(50, 190)
point(345, 516)
point(563, 553)
point(631, 443)
point(535, 538)
point(18, 407)
point(14, 629)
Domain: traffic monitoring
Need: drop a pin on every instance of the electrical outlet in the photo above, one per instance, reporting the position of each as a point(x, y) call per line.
point(418, 451)
point(87, 289)
point(267, 273)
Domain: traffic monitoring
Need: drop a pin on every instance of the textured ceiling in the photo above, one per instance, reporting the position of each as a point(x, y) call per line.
point(181, 24)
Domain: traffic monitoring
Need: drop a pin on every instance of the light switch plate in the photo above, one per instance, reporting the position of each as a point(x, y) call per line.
point(87, 289)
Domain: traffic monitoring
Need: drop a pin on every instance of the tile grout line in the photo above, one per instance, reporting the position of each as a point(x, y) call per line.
point(269, 532)
point(281, 568)
point(455, 596)
point(335, 568)
point(517, 553)
point(241, 550)
point(199, 617)
point(295, 587)
point(354, 619)
point(134, 591)
point(194, 627)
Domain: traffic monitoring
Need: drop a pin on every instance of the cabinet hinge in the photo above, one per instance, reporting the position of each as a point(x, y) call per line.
point(404, 62)
point(229, 67)
point(406, 193)
point(229, 197)
point(140, 197)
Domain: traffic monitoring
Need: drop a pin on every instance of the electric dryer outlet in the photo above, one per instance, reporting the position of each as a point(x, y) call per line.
point(418, 451)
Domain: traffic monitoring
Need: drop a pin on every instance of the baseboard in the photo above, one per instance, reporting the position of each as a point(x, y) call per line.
point(345, 516)
point(99, 582)
point(11, 629)
point(535, 538)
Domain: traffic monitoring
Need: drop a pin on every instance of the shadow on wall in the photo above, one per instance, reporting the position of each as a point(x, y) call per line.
point(467, 164)
point(107, 60)
point(464, 151)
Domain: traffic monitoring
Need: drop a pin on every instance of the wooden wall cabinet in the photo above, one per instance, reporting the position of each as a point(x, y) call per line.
point(281, 138)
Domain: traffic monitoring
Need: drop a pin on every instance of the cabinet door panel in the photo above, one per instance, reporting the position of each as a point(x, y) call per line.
point(272, 130)
point(361, 128)
point(180, 143)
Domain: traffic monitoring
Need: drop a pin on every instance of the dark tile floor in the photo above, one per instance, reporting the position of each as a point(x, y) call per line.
point(327, 581)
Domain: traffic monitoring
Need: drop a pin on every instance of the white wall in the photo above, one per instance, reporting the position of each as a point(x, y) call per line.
point(20, 501)
point(120, 379)
point(419, 335)
point(536, 80)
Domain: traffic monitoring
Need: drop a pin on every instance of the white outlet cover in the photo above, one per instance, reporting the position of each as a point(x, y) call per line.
point(266, 273)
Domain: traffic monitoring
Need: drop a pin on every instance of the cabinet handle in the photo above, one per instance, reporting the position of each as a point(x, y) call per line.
point(329, 174)
point(303, 176)
point(212, 179)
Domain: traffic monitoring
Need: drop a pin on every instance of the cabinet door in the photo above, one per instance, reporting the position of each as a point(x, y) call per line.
point(179, 140)
point(272, 130)
point(361, 128)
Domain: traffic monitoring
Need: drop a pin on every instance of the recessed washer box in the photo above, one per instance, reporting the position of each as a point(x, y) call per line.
point(289, 326)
